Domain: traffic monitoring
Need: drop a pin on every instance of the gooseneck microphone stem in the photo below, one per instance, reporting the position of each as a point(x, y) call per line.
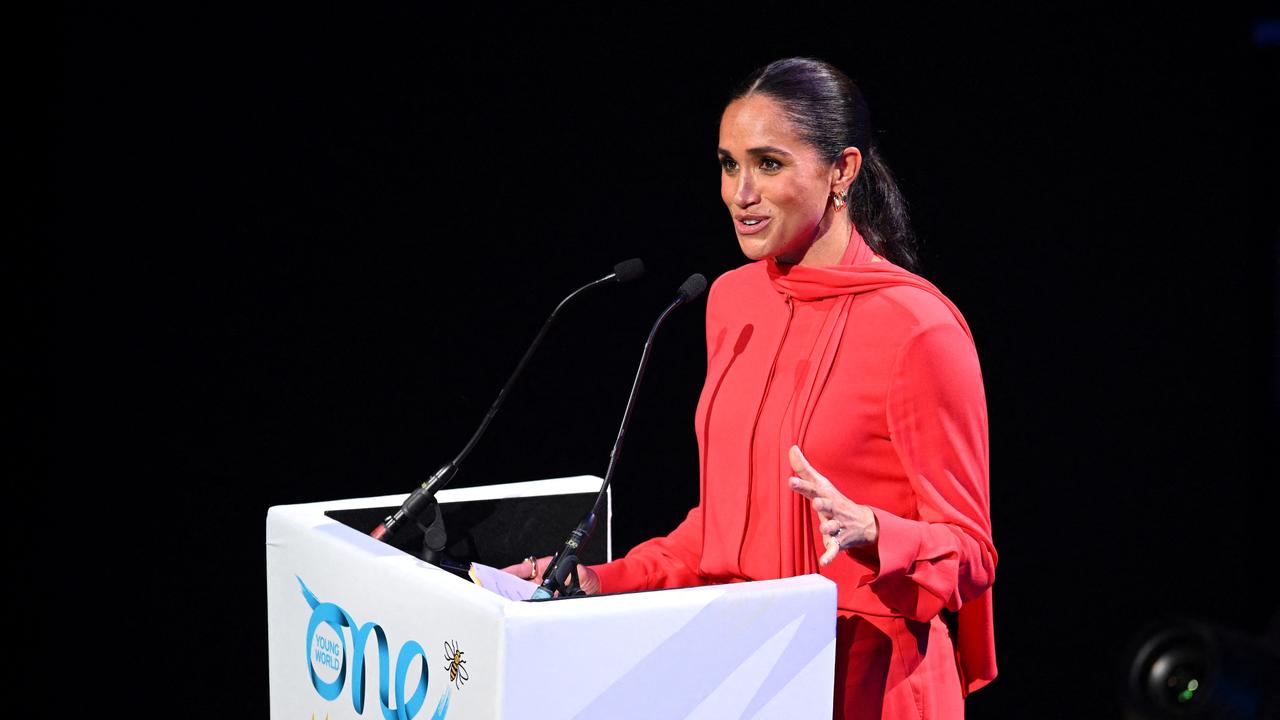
point(423, 497)
point(616, 452)
point(564, 565)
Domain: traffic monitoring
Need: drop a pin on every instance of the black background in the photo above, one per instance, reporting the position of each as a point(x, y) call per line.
point(296, 252)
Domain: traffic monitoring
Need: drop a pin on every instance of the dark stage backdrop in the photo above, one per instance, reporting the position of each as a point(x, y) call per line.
point(296, 252)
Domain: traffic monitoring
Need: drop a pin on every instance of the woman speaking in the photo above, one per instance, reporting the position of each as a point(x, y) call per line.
point(842, 428)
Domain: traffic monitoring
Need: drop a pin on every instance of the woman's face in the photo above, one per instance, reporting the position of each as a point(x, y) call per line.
point(774, 184)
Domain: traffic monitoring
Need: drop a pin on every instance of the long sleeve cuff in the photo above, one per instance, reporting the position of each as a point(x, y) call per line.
point(896, 549)
point(613, 576)
point(645, 572)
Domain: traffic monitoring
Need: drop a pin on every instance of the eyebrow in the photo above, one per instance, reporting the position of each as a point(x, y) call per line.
point(757, 151)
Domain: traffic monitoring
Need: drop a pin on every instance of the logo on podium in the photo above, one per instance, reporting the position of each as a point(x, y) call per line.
point(328, 652)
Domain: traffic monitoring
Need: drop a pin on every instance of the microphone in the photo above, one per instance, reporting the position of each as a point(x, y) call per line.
point(627, 270)
point(694, 286)
point(564, 564)
point(423, 497)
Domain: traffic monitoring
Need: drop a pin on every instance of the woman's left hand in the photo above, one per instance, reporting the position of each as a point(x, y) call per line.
point(845, 524)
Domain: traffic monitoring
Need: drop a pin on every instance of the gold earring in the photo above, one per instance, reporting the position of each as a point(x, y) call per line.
point(837, 199)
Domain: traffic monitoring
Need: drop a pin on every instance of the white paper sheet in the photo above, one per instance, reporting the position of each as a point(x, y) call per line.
point(503, 583)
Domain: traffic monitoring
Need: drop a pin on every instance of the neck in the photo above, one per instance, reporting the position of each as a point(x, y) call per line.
point(829, 245)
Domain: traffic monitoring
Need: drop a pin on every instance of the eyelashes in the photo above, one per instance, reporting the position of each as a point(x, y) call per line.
point(767, 164)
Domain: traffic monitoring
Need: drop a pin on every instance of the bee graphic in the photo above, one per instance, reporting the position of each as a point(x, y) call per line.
point(456, 667)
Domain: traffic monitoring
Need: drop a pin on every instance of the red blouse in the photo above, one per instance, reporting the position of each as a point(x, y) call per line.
point(873, 373)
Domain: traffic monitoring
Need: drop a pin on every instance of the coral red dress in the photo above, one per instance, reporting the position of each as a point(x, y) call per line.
point(873, 373)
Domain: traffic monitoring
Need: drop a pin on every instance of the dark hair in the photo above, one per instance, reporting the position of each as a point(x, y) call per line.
point(828, 111)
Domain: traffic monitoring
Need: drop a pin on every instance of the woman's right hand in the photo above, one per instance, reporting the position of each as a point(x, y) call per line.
point(590, 581)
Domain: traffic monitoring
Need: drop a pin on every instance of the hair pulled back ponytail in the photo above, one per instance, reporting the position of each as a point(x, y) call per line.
point(828, 111)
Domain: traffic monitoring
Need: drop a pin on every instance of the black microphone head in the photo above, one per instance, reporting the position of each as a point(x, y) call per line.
point(693, 287)
point(628, 270)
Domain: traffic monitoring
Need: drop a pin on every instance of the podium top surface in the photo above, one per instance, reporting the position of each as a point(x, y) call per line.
point(532, 488)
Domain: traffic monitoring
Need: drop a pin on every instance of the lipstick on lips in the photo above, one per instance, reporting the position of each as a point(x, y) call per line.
point(750, 224)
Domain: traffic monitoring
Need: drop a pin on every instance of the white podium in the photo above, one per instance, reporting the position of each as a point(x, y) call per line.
point(359, 629)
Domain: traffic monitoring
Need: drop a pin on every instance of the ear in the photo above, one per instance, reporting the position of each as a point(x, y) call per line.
point(845, 169)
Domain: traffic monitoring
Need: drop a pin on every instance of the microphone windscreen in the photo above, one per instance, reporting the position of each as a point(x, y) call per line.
point(628, 270)
point(693, 287)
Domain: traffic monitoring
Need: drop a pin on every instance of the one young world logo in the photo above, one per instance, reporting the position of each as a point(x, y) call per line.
point(336, 651)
